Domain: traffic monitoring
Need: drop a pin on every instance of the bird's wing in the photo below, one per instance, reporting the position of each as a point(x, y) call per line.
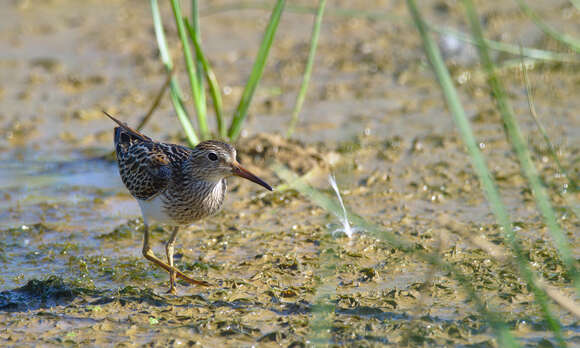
point(146, 166)
point(145, 169)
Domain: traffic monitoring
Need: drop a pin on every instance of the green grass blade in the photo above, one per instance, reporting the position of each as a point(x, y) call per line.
point(212, 82)
point(160, 35)
point(242, 110)
point(461, 120)
point(479, 164)
point(576, 4)
point(323, 307)
point(184, 120)
point(501, 330)
point(308, 69)
point(528, 168)
point(521, 150)
point(568, 40)
point(199, 66)
point(175, 92)
point(190, 65)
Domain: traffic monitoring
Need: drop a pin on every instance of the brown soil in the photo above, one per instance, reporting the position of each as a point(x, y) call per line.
point(71, 270)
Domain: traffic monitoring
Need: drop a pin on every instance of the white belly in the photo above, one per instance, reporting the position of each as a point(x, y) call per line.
point(154, 211)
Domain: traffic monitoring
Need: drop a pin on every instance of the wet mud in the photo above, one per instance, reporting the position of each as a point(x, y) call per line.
point(71, 269)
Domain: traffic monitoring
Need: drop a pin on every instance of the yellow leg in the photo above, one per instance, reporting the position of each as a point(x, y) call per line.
point(149, 255)
point(169, 249)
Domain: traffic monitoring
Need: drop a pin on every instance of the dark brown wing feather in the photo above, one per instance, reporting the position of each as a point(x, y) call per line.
point(146, 167)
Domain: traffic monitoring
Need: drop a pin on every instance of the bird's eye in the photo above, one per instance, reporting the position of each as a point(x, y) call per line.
point(212, 156)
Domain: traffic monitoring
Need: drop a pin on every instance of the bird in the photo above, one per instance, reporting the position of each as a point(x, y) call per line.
point(175, 185)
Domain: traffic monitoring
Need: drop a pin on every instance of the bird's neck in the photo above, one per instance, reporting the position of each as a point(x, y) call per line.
point(203, 182)
point(198, 183)
point(208, 188)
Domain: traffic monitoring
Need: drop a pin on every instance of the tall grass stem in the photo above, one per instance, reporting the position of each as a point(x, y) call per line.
point(199, 65)
point(477, 159)
point(323, 308)
point(241, 111)
point(308, 70)
point(212, 82)
point(520, 147)
point(190, 65)
point(175, 92)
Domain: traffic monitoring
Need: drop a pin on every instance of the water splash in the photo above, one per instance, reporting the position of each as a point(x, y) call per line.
point(346, 228)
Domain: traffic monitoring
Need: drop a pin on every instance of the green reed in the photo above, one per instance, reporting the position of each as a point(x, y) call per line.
point(521, 149)
point(308, 69)
point(242, 110)
point(198, 66)
point(478, 161)
point(323, 305)
point(175, 92)
point(196, 84)
point(211, 80)
point(197, 38)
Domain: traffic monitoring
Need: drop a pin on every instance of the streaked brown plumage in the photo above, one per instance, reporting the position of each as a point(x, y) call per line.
point(174, 184)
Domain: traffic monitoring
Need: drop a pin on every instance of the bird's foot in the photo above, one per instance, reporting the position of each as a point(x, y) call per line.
point(149, 255)
point(194, 281)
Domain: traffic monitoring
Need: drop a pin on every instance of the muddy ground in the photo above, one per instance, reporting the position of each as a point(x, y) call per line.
point(70, 248)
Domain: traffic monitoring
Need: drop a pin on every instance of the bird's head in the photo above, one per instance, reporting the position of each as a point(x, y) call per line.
point(214, 160)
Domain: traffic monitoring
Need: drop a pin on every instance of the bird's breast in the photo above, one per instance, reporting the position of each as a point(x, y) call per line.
point(185, 205)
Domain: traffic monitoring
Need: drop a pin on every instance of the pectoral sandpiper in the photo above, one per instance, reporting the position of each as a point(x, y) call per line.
point(175, 185)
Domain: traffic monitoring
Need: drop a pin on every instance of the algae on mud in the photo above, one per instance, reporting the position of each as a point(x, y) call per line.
point(374, 115)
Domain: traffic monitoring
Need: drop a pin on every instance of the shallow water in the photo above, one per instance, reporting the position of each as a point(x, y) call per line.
point(71, 270)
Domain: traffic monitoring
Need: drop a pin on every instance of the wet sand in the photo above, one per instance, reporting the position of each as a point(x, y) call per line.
point(72, 271)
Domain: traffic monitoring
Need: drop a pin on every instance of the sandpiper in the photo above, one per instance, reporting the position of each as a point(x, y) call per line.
point(175, 185)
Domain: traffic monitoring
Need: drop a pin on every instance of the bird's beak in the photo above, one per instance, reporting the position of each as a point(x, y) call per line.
point(244, 173)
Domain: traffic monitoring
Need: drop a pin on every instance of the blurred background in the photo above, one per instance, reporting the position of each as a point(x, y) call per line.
point(374, 115)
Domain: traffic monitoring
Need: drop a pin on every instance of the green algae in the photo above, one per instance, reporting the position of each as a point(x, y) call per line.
point(264, 252)
point(130, 229)
point(38, 294)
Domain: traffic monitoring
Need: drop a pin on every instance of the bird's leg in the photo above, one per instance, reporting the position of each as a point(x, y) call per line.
point(149, 255)
point(169, 248)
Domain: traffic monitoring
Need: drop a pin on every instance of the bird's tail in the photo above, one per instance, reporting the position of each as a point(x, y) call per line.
point(125, 134)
